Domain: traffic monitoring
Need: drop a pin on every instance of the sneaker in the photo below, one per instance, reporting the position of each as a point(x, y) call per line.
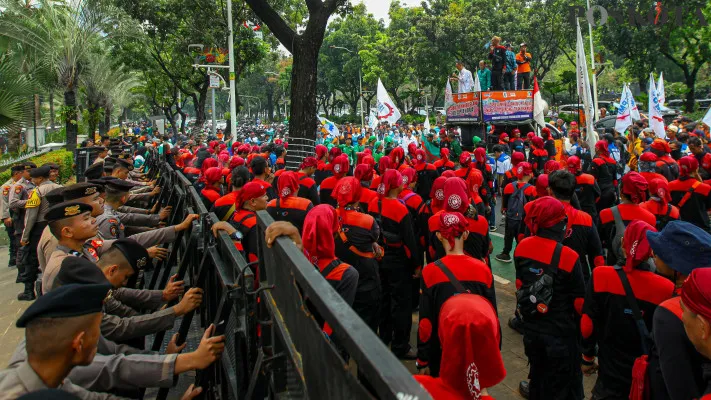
point(523, 389)
point(503, 257)
point(492, 228)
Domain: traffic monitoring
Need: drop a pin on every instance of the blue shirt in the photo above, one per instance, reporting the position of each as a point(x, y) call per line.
point(510, 61)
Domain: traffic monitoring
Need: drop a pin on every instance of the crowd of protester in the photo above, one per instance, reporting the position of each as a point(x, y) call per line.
point(609, 247)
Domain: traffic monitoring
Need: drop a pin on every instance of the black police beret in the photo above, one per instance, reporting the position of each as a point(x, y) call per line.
point(42, 171)
point(48, 394)
point(119, 185)
point(67, 301)
point(52, 165)
point(136, 254)
point(66, 209)
point(94, 171)
point(55, 196)
point(124, 164)
point(17, 168)
point(80, 190)
point(79, 270)
point(30, 165)
point(109, 161)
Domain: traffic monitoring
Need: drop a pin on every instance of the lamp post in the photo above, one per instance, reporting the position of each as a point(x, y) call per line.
point(360, 85)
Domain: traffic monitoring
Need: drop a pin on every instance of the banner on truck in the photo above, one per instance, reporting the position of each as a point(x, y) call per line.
point(510, 105)
point(465, 108)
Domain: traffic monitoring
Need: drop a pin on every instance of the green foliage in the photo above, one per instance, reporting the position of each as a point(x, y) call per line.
point(62, 157)
point(14, 94)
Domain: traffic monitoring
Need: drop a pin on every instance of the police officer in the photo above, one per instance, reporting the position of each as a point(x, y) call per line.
point(110, 226)
point(16, 172)
point(62, 332)
point(19, 193)
point(36, 209)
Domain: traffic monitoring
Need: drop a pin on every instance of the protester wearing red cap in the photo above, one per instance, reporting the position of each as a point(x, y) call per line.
point(444, 163)
point(250, 199)
point(469, 274)
point(696, 306)
point(514, 198)
point(456, 199)
point(648, 166)
point(517, 157)
point(633, 192)
point(538, 155)
point(307, 185)
point(471, 362)
point(659, 203)
point(690, 195)
point(666, 165)
point(549, 308)
point(607, 322)
point(604, 170)
point(383, 165)
point(288, 206)
point(426, 174)
point(412, 200)
point(340, 167)
point(549, 142)
point(211, 179)
point(319, 247)
point(587, 190)
point(474, 183)
point(486, 190)
point(583, 235)
point(397, 266)
point(224, 207)
point(433, 205)
point(516, 143)
point(364, 174)
point(323, 170)
point(397, 158)
point(356, 244)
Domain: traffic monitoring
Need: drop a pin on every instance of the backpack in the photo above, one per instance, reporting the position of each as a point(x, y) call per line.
point(619, 232)
point(514, 209)
point(532, 301)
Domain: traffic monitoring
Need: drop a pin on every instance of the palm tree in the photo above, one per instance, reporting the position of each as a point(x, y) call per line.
point(61, 36)
point(15, 105)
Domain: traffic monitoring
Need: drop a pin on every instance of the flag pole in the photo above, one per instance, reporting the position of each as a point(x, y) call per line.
point(594, 75)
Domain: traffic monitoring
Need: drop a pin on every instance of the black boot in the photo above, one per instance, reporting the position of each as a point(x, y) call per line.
point(28, 294)
point(523, 389)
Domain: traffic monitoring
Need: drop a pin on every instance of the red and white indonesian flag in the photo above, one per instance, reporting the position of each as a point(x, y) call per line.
point(581, 72)
point(656, 122)
point(624, 116)
point(387, 111)
point(538, 111)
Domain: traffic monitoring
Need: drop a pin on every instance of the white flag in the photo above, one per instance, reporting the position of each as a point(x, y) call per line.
point(584, 91)
point(372, 120)
point(707, 118)
point(328, 127)
point(634, 110)
point(660, 90)
point(448, 97)
point(427, 124)
point(477, 84)
point(387, 110)
point(538, 111)
point(624, 116)
point(656, 122)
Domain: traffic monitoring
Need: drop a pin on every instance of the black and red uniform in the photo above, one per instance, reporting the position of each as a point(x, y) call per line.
point(628, 213)
point(224, 207)
point(292, 209)
point(693, 199)
point(551, 341)
point(245, 221)
point(538, 159)
point(326, 189)
point(366, 196)
point(509, 177)
point(209, 196)
point(487, 187)
point(354, 245)
point(608, 322)
point(193, 174)
point(426, 174)
point(323, 171)
point(308, 189)
point(664, 215)
point(582, 237)
point(604, 170)
point(396, 269)
point(675, 367)
point(442, 165)
point(667, 167)
point(588, 193)
point(476, 245)
point(271, 189)
point(342, 277)
point(475, 277)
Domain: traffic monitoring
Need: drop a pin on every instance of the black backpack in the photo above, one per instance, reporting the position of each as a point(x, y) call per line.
point(514, 209)
point(532, 301)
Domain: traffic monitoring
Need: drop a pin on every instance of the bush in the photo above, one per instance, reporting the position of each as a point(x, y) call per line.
point(114, 132)
point(63, 158)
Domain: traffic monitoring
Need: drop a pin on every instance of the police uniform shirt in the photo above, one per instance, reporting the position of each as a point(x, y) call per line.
point(5, 199)
point(46, 246)
point(14, 382)
point(19, 193)
point(110, 226)
point(36, 207)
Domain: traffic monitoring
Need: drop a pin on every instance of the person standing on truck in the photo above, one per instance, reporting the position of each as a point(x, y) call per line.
point(497, 55)
point(511, 67)
point(523, 59)
point(484, 76)
point(465, 79)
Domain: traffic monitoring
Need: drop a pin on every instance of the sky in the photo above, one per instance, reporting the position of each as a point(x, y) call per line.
point(379, 8)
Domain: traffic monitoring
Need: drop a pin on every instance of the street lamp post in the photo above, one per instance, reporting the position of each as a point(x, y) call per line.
point(360, 85)
point(233, 90)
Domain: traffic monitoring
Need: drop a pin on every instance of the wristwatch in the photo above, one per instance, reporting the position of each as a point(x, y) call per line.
point(236, 235)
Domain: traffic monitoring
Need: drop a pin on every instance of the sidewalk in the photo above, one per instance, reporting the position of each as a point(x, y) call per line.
point(10, 309)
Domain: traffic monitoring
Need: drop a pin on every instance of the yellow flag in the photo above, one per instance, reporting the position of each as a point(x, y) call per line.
point(34, 200)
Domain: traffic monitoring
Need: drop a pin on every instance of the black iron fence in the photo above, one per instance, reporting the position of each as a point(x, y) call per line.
point(275, 348)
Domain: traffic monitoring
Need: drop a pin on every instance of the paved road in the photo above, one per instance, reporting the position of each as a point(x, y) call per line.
point(10, 309)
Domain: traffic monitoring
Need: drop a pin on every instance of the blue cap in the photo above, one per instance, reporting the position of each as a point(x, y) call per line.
point(682, 246)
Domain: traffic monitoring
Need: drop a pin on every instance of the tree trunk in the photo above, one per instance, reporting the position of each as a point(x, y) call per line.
point(70, 123)
point(91, 123)
point(107, 121)
point(691, 94)
point(37, 121)
point(51, 111)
